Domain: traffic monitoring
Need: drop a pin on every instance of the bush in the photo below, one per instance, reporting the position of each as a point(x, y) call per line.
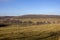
point(3, 25)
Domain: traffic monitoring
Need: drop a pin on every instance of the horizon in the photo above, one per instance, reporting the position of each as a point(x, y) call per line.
point(26, 7)
point(29, 15)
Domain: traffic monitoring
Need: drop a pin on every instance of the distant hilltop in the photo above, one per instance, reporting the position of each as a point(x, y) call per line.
point(32, 16)
point(41, 16)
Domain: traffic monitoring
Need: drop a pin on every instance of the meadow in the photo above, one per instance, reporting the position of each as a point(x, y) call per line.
point(31, 29)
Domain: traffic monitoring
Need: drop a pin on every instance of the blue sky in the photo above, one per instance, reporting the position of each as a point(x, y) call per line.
point(23, 7)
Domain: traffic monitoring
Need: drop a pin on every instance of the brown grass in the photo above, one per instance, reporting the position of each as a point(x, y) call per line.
point(33, 32)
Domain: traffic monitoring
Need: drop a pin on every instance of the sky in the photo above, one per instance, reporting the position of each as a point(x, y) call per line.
point(24, 7)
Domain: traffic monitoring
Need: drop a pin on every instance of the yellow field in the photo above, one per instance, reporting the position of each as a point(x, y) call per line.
point(33, 32)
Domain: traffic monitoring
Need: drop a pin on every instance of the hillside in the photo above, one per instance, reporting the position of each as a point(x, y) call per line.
point(30, 27)
point(32, 16)
point(41, 16)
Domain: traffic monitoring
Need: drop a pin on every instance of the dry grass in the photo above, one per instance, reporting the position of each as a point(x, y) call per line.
point(34, 32)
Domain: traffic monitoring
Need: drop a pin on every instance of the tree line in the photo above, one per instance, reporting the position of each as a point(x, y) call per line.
point(31, 22)
point(20, 22)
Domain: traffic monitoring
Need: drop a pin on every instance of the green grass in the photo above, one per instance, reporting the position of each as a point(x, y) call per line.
point(33, 32)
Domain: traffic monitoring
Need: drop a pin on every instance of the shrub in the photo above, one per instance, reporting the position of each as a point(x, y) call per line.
point(3, 25)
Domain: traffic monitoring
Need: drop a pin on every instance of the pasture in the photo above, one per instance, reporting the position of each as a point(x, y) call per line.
point(36, 32)
point(30, 29)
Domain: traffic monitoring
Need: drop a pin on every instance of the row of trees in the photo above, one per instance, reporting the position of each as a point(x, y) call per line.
point(31, 22)
point(6, 23)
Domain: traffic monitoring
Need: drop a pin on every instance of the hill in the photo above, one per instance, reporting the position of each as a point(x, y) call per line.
point(30, 27)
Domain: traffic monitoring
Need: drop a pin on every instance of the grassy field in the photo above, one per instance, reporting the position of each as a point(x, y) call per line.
point(30, 28)
point(33, 32)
